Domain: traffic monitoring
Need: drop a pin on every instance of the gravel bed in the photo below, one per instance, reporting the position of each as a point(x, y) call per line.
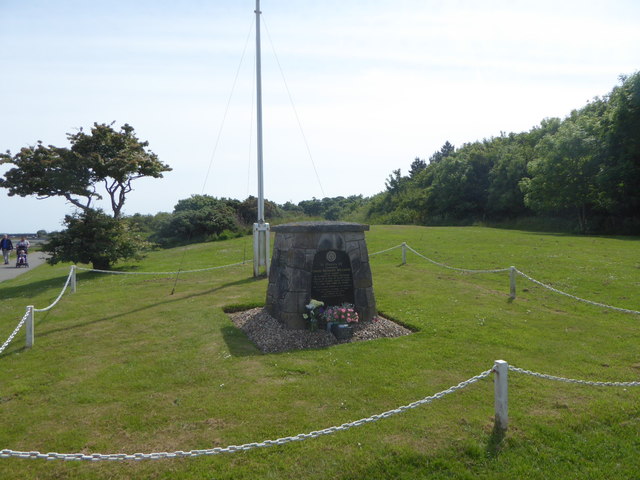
point(270, 336)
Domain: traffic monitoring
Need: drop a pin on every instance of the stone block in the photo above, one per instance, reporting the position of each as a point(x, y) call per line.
point(293, 321)
point(353, 236)
point(305, 241)
point(294, 302)
point(331, 241)
point(300, 280)
point(361, 274)
point(296, 258)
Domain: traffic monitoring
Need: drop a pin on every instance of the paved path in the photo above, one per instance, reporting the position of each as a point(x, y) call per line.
point(10, 271)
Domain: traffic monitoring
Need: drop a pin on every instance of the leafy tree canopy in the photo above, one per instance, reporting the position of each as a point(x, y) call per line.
point(104, 157)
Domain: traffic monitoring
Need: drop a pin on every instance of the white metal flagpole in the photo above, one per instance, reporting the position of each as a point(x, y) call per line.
point(261, 238)
point(259, 114)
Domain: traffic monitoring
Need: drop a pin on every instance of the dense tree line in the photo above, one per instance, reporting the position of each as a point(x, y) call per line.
point(202, 218)
point(206, 218)
point(332, 208)
point(584, 169)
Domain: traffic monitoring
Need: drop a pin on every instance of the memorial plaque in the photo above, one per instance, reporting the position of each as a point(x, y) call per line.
point(331, 278)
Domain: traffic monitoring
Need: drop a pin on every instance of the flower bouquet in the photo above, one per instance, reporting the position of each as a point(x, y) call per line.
point(336, 319)
point(315, 315)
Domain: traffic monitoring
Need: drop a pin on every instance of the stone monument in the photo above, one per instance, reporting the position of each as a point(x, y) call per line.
point(326, 261)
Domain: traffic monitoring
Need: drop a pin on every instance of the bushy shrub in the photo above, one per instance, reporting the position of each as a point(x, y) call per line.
point(96, 238)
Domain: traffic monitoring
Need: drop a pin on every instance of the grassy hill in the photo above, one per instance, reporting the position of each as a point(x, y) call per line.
point(124, 365)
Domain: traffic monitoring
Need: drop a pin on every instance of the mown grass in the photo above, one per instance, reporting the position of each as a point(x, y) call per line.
point(152, 363)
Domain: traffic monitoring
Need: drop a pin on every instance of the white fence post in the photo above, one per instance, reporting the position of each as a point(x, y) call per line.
point(512, 283)
point(267, 249)
point(29, 326)
point(256, 250)
point(73, 279)
point(501, 389)
point(404, 253)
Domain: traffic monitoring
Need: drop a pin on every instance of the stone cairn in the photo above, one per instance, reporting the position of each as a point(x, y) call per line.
point(326, 261)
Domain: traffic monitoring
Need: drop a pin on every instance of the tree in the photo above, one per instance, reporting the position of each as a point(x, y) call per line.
point(93, 237)
point(291, 207)
point(562, 177)
point(447, 196)
point(619, 176)
point(198, 218)
point(105, 157)
point(416, 167)
point(505, 198)
point(394, 182)
point(313, 207)
point(248, 210)
point(446, 150)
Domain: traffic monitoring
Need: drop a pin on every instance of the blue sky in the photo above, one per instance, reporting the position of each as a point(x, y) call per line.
point(374, 84)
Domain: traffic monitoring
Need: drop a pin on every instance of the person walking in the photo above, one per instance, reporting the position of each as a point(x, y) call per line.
point(6, 246)
point(23, 243)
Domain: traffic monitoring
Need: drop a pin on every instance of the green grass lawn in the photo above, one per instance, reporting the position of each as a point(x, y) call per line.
point(138, 363)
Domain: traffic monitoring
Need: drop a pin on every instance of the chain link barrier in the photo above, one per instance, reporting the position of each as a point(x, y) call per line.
point(497, 270)
point(549, 287)
point(94, 457)
point(385, 251)
point(114, 272)
point(15, 331)
point(66, 284)
point(560, 292)
point(573, 380)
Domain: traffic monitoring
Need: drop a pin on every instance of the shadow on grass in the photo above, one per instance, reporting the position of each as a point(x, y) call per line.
point(495, 443)
point(238, 343)
point(33, 289)
point(13, 351)
point(170, 300)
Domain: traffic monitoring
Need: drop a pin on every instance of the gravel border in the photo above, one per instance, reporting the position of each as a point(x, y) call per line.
point(270, 336)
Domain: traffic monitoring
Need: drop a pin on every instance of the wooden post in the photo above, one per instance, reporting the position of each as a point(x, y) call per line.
point(512, 283)
point(404, 253)
point(500, 383)
point(73, 279)
point(29, 326)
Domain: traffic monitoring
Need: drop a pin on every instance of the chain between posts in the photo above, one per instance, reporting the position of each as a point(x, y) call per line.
point(15, 331)
point(549, 287)
point(573, 380)
point(512, 271)
point(385, 251)
point(7, 453)
point(497, 270)
point(114, 272)
point(405, 247)
point(59, 296)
